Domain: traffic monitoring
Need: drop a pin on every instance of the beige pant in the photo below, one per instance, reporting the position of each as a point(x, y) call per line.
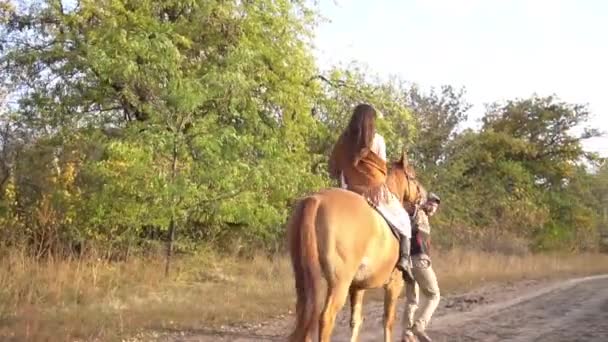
point(426, 282)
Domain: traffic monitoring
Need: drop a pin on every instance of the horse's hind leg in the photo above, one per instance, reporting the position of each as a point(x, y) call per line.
point(356, 316)
point(392, 290)
point(336, 296)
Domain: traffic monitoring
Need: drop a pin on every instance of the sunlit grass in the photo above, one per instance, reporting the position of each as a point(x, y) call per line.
point(91, 299)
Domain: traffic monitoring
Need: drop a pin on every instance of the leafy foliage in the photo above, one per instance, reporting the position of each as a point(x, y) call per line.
point(437, 115)
point(524, 172)
point(128, 122)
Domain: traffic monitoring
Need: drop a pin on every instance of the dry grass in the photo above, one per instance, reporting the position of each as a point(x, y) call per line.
point(95, 300)
point(459, 270)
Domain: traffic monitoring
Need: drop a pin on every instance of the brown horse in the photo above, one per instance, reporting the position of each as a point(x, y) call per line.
point(336, 235)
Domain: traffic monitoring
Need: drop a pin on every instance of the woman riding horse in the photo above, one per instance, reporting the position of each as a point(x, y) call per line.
point(358, 160)
point(336, 237)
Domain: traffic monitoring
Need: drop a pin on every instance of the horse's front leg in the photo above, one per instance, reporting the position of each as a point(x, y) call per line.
point(356, 315)
point(391, 293)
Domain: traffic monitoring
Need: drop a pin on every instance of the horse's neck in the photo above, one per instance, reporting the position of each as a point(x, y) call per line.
point(404, 188)
point(412, 192)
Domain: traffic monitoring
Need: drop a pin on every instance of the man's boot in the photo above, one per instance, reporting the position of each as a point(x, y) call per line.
point(404, 263)
point(421, 334)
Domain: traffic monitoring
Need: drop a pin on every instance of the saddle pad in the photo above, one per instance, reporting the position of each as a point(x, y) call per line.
point(394, 230)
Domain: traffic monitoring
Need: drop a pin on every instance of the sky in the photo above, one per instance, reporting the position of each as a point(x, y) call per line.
point(497, 49)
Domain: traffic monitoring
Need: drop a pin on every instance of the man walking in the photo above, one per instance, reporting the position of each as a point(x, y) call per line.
point(425, 278)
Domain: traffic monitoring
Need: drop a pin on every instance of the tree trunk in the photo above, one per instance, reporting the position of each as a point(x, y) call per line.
point(170, 246)
point(172, 221)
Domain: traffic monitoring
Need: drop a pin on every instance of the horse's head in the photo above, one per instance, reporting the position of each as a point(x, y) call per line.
point(401, 181)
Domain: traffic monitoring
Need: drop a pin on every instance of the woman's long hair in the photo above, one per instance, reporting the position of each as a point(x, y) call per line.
point(359, 133)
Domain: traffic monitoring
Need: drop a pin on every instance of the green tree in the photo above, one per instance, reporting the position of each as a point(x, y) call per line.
point(437, 115)
point(486, 182)
point(547, 124)
point(523, 173)
point(208, 104)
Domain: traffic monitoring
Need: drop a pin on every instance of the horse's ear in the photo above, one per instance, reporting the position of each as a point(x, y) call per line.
point(404, 161)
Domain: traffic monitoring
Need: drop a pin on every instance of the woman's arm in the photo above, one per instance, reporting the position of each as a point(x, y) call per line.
point(379, 146)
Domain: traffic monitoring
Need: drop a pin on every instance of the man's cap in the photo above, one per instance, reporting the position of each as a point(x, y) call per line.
point(432, 197)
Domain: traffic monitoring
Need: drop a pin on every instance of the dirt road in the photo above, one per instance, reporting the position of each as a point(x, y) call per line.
point(573, 311)
point(567, 310)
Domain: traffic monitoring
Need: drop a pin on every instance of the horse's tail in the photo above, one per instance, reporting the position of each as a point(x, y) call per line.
point(306, 267)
